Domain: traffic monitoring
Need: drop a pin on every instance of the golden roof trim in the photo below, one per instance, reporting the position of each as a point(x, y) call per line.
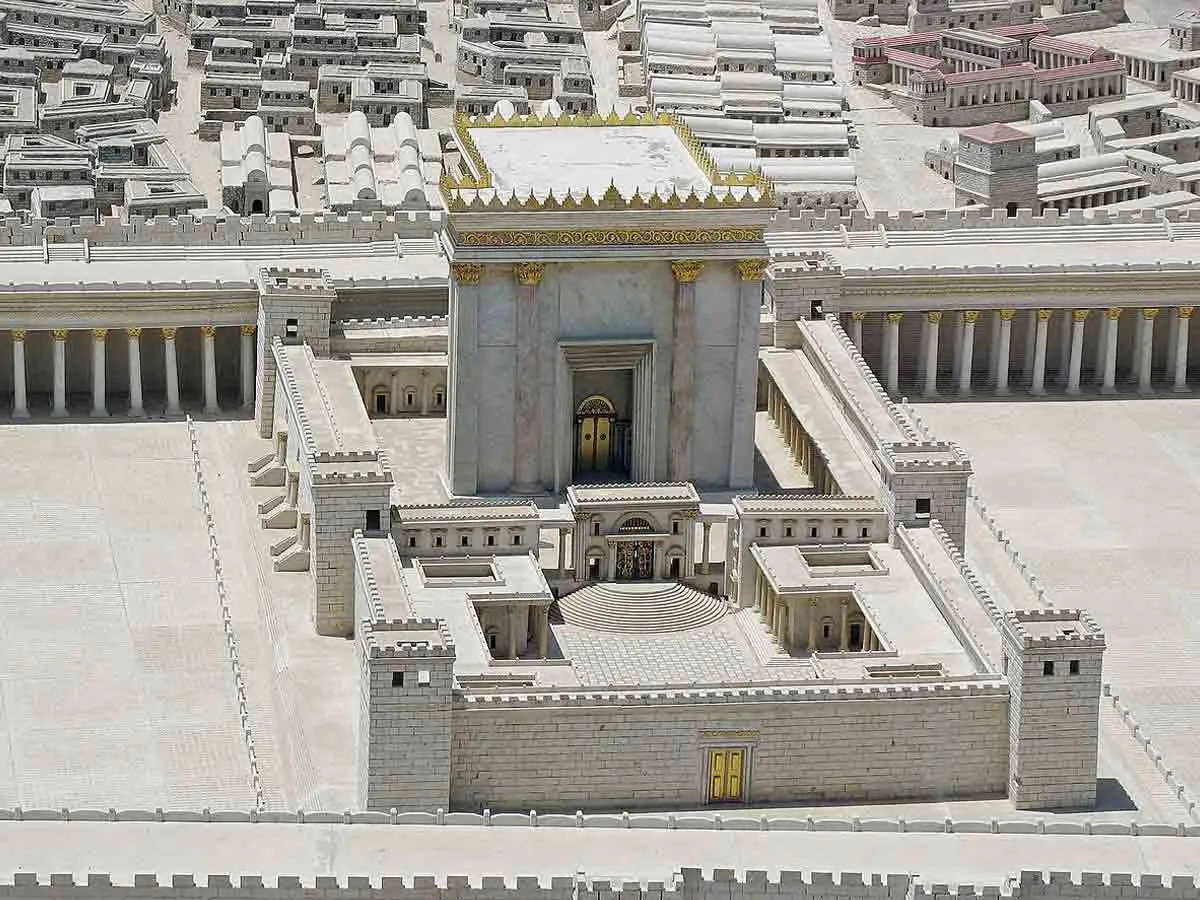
point(480, 177)
point(608, 237)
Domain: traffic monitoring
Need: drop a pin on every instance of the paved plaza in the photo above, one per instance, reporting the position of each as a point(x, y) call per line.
point(116, 688)
point(1100, 498)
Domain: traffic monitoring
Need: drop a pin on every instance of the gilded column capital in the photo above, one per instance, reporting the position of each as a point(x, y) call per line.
point(1044, 315)
point(970, 316)
point(1079, 315)
point(169, 333)
point(1185, 312)
point(100, 334)
point(895, 317)
point(1113, 313)
point(814, 602)
point(208, 330)
point(858, 316)
point(18, 334)
point(934, 317)
point(686, 271)
point(466, 273)
point(529, 273)
point(134, 332)
point(753, 269)
point(1007, 315)
point(59, 334)
point(249, 329)
point(1150, 314)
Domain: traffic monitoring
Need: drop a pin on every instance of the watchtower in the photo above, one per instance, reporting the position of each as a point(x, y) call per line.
point(996, 166)
point(1052, 659)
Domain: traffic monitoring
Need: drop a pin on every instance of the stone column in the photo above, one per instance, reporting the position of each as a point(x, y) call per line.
point(1062, 373)
point(966, 353)
point(1112, 320)
point(1031, 325)
point(745, 385)
point(856, 329)
point(1037, 385)
point(136, 407)
point(866, 636)
point(247, 367)
point(209, 352)
point(812, 626)
point(844, 636)
point(99, 337)
point(1003, 348)
point(562, 552)
point(707, 527)
point(60, 372)
point(1078, 319)
point(1145, 352)
point(683, 376)
point(1139, 328)
point(891, 352)
point(543, 631)
point(526, 455)
point(932, 321)
point(20, 392)
point(171, 364)
point(1182, 321)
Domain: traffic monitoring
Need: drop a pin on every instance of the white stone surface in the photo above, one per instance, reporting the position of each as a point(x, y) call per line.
point(557, 160)
point(116, 685)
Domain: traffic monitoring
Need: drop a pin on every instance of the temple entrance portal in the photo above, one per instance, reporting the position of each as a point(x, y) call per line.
point(600, 440)
point(635, 560)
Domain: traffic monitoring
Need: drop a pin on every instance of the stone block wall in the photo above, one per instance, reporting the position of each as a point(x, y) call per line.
point(279, 307)
point(651, 750)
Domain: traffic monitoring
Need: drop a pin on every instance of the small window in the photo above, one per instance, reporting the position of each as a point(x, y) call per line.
point(762, 531)
point(292, 328)
point(1073, 667)
point(464, 541)
point(675, 527)
point(596, 529)
point(439, 541)
point(839, 532)
point(397, 679)
point(412, 542)
point(1047, 668)
point(812, 532)
point(787, 532)
point(924, 507)
point(516, 540)
point(863, 532)
point(826, 630)
point(491, 540)
point(424, 677)
point(373, 523)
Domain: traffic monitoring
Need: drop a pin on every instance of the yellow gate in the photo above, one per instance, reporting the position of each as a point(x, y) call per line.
point(726, 775)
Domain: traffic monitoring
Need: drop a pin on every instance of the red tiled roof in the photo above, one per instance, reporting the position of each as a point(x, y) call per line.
point(913, 60)
point(995, 133)
point(1058, 45)
point(1004, 73)
point(1099, 67)
point(1015, 31)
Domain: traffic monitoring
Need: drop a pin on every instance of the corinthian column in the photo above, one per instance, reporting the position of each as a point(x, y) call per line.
point(856, 329)
point(891, 352)
point(247, 363)
point(171, 363)
point(1179, 352)
point(209, 351)
point(20, 394)
point(60, 372)
point(932, 323)
point(966, 353)
point(99, 339)
point(1078, 319)
point(136, 409)
point(683, 374)
point(1145, 352)
point(745, 381)
point(526, 459)
point(1041, 333)
point(1003, 348)
point(1112, 320)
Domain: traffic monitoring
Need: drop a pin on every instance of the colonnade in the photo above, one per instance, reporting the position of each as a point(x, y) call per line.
point(515, 625)
point(134, 337)
point(795, 623)
point(1034, 374)
point(806, 453)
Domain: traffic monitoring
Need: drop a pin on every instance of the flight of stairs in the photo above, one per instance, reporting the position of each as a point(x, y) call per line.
point(640, 607)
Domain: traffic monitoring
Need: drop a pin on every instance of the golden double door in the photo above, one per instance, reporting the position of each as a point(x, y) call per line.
point(594, 434)
point(726, 775)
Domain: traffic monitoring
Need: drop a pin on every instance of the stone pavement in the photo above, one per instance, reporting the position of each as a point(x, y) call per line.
point(1101, 499)
point(306, 851)
point(116, 689)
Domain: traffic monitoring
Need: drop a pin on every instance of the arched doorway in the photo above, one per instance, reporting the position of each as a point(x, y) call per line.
point(594, 421)
point(635, 559)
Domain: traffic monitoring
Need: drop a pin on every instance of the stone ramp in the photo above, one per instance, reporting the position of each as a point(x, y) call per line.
point(640, 607)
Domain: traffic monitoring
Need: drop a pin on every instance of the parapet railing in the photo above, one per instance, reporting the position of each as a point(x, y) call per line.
point(226, 620)
point(678, 821)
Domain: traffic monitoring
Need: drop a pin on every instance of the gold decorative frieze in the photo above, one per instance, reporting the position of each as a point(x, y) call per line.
point(753, 269)
point(529, 273)
point(730, 734)
point(598, 237)
point(686, 271)
point(466, 273)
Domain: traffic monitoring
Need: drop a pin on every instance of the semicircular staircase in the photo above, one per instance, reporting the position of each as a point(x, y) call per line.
point(640, 608)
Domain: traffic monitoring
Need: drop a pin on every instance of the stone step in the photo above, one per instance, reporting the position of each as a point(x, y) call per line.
point(638, 607)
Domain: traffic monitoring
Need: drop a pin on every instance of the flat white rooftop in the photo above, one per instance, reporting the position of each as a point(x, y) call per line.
point(560, 160)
